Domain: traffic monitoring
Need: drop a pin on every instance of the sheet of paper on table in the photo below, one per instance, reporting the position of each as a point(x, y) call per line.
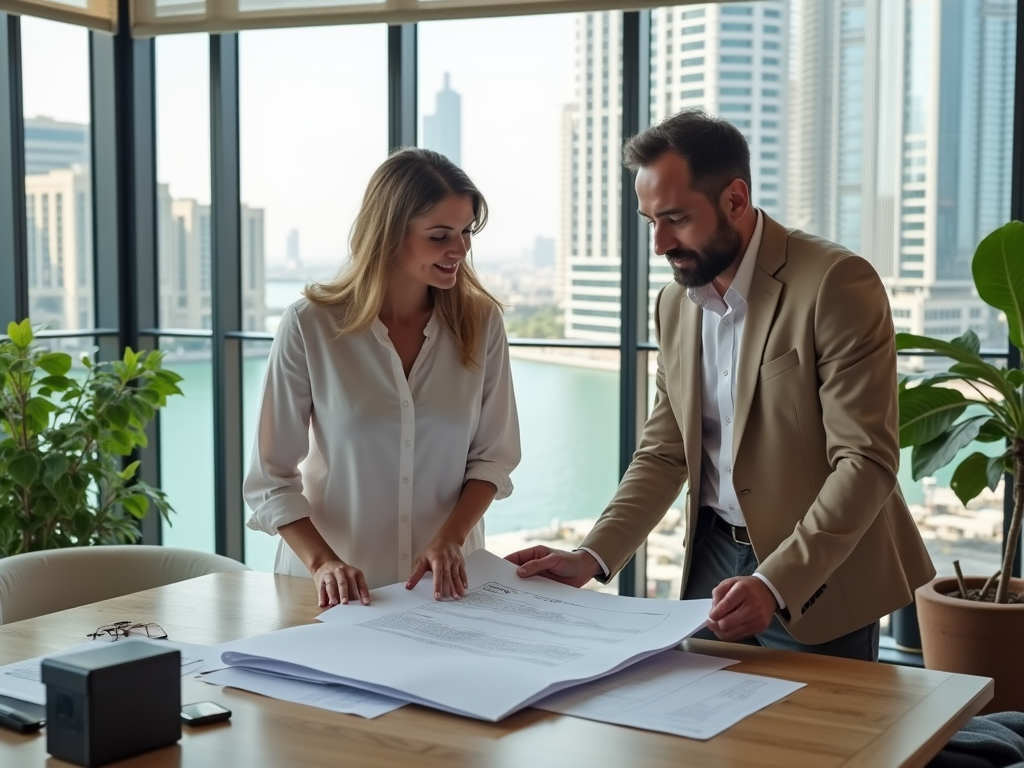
point(507, 643)
point(674, 692)
point(335, 698)
point(22, 679)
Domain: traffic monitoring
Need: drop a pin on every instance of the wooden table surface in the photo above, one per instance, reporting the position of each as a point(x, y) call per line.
point(852, 714)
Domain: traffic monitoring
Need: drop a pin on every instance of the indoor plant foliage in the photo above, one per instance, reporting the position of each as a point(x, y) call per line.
point(938, 419)
point(63, 481)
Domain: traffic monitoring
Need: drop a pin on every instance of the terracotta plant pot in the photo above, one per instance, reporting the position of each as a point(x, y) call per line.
point(974, 638)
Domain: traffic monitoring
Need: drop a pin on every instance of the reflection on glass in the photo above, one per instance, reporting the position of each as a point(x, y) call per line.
point(58, 197)
point(312, 133)
point(259, 547)
point(185, 237)
point(525, 167)
point(186, 446)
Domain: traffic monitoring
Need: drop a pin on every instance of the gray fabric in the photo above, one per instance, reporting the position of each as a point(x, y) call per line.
point(988, 741)
point(717, 557)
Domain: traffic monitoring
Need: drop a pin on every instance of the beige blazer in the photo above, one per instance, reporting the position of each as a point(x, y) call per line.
point(815, 442)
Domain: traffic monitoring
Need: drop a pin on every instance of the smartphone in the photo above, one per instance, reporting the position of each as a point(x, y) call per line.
point(203, 713)
point(19, 720)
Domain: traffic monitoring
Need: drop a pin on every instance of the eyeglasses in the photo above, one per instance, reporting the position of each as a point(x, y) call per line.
point(120, 629)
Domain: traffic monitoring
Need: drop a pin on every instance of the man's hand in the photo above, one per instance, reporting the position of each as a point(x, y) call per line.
point(572, 568)
point(741, 607)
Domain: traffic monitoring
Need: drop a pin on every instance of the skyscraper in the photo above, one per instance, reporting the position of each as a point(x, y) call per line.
point(442, 131)
point(52, 144)
point(727, 59)
point(900, 144)
point(293, 260)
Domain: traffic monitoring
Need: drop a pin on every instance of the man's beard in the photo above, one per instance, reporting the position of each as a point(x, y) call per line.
point(716, 256)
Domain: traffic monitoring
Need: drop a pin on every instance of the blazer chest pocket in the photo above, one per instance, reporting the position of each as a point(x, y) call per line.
point(779, 365)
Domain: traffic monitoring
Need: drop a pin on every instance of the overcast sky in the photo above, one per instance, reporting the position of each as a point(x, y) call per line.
point(314, 118)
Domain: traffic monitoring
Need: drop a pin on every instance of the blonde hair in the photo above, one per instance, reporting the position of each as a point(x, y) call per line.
point(408, 184)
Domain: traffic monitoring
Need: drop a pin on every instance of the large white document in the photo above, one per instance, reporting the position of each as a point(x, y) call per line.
point(674, 692)
point(22, 680)
point(334, 698)
point(507, 643)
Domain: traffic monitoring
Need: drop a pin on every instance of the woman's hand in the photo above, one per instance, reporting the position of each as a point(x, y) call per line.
point(338, 582)
point(443, 558)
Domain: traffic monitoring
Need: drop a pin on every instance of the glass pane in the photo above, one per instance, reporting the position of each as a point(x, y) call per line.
point(186, 446)
point(312, 133)
point(560, 490)
point(260, 548)
point(466, 92)
point(184, 244)
point(58, 196)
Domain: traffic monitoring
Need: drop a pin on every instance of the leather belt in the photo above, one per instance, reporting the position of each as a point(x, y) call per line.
point(738, 533)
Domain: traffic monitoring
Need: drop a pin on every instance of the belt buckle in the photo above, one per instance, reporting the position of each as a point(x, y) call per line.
point(732, 530)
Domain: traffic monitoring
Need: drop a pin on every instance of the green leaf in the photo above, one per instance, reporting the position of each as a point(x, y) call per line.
point(927, 412)
point(137, 506)
point(968, 341)
point(57, 383)
point(55, 465)
point(24, 468)
point(64, 489)
point(20, 333)
point(980, 369)
point(118, 414)
point(55, 363)
point(928, 457)
point(990, 432)
point(998, 268)
point(128, 472)
point(975, 473)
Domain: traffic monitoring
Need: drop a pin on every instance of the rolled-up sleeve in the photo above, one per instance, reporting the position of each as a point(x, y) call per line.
point(496, 450)
point(273, 485)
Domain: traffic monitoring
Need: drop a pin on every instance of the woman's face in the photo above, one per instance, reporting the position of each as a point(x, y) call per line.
point(437, 242)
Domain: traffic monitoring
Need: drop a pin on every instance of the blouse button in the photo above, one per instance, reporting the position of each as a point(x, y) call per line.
point(405, 555)
point(405, 479)
point(408, 442)
point(405, 403)
point(405, 518)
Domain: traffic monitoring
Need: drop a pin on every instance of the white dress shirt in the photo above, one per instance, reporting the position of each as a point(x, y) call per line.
point(721, 335)
point(375, 460)
point(722, 321)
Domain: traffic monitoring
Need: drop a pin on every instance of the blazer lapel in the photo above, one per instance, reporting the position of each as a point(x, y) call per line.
point(765, 291)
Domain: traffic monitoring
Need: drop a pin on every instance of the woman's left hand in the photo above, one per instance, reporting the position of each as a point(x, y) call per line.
point(443, 558)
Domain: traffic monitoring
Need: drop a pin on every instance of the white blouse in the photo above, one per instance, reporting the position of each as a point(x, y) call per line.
point(377, 461)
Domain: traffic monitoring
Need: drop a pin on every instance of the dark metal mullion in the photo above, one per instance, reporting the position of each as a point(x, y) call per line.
point(1017, 214)
point(226, 214)
point(402, 85)
point(13, 251)
point(123, 171)
point(636, 59)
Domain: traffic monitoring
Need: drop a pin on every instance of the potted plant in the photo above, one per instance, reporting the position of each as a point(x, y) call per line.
point(63, 439)
point(975, 625)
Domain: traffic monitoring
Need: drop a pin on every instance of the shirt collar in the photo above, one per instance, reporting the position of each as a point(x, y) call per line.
point(706, 294)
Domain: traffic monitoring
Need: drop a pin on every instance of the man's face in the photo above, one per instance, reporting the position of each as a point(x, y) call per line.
point(694, 234)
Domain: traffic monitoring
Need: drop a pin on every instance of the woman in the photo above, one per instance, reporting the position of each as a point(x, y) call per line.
point(388, 422)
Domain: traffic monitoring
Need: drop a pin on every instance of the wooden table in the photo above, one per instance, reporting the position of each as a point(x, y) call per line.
point(850, 713)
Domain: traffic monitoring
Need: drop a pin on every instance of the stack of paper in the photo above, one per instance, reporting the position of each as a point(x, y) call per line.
point(507, 643)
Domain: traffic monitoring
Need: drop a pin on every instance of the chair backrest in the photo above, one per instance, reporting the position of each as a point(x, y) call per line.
point(35, 583)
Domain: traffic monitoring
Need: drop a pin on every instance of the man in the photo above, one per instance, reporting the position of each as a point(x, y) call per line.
point(776, 400)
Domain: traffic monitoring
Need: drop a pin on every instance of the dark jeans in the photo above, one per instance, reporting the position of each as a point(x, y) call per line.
point(717, 557)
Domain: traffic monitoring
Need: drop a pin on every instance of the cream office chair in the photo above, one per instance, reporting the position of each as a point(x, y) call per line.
point(43, 582)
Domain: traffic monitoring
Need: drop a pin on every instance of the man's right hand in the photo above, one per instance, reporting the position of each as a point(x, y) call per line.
point(572, 568)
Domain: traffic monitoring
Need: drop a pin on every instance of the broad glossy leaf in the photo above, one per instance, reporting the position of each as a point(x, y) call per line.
point(118, 415)
point(927, 412)
point(927, 458)
point(129, 472)
point(20, 333)
point(55, 363)
point(998, 269)
point(137, 506)
point(975, 473)
point(55, 465)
